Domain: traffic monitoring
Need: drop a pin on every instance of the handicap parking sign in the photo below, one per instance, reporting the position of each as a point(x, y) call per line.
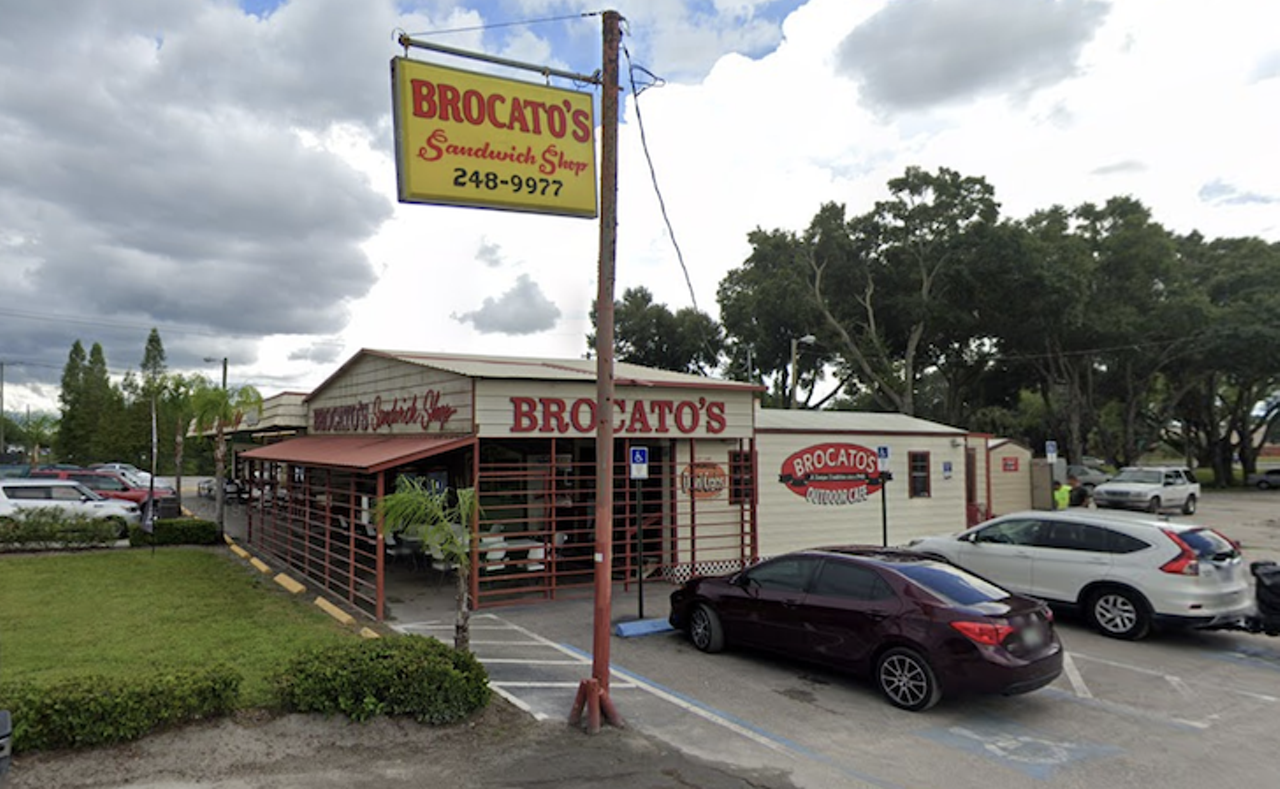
point(639, 462)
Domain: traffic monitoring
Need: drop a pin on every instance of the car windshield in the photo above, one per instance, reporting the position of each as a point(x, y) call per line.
point(1144, 475)
point(951, 583)
point(1208, 543)
point(90, 494)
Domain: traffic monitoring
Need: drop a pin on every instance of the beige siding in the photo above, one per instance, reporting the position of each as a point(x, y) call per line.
point(788, 521)
point(372, 388)
point(496, 410)
point(1010, 486)
point(282, 411)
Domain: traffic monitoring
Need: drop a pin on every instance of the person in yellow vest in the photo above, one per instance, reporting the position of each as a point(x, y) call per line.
point(1061, 496)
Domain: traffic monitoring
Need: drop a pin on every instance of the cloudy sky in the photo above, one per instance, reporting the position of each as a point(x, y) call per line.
point(223, 171)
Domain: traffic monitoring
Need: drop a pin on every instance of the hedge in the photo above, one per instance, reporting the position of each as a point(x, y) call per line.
point(175, 531)
point(93, 710)
point(47, 528)
point(409, 675)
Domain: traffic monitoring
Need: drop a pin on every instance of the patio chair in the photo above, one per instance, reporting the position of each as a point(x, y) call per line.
point(399, 548)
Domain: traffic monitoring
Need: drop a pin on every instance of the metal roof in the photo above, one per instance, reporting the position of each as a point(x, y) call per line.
point(783, 420)
point(624, 374)
point(367, 454)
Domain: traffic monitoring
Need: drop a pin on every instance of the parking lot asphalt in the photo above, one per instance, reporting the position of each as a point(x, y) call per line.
point(1184, 709)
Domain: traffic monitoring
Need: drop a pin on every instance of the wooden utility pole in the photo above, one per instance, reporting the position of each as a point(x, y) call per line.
point(593, 693)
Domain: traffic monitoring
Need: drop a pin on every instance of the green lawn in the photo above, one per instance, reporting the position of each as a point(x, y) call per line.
point(126, 611)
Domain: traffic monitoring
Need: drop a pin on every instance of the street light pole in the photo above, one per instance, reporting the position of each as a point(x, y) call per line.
point(224, 368)
point(807, 339)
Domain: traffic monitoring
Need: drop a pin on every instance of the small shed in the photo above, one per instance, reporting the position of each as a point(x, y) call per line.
point(1010, 476)
point(820, 480)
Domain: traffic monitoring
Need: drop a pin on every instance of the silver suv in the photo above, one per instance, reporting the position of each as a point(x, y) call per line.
point(1150, 488)
point(1125, 572)
point(16, 494)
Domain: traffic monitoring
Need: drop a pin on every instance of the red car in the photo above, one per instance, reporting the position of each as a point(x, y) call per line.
point(920, 627)
point(114, 486)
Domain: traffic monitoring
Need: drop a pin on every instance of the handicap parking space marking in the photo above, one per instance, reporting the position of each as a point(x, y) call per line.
point(1019, 747)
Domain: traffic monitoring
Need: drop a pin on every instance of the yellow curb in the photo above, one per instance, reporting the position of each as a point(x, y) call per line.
point(335, 612)
point(238, 551)
point(227, 539)
point(261, 565)
point(289, 583)
point(367, 633)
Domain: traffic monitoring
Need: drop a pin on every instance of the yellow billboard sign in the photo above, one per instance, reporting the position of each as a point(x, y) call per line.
point(476, 140)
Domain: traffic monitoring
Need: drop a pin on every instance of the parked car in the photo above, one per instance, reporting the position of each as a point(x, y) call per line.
point(132, 473)
point(115, 486)
point(231, 489)
point(1125, 572)
point(75, 498)
point(922, 629)
point(1089, 476)
point(1265, 480)
point(1150, 488)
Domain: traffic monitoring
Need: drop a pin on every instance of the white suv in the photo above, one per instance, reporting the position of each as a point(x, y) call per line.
point(1150, 488)
point(19, 493)
point(1125, 572)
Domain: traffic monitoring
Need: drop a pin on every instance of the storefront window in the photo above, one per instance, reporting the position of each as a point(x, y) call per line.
point(920, 485)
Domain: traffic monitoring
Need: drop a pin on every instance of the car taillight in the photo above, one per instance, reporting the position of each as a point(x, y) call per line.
point(1185, 563)
point(983, 632)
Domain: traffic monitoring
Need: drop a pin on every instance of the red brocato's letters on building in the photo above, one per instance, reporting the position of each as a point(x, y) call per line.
point(556, 415)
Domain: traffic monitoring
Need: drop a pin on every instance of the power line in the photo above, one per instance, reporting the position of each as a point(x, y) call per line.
point(496, 25)
point(101, 323)
point(653, 175)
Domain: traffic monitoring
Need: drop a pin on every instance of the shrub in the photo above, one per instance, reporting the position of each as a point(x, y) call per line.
point(409, 675)
point(93, 710)
point(44, 528)
point(176, 531)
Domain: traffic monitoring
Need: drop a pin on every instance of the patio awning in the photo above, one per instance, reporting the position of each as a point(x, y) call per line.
point(366, 454)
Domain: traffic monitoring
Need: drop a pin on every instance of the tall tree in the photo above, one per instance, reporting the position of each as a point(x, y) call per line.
point(646, 333)
point(765, 304)
point(882, 280)
point(104, 409)
point(76, 430)
point(218, 409)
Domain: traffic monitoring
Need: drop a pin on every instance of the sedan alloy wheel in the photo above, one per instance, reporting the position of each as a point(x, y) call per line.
point(907, 681)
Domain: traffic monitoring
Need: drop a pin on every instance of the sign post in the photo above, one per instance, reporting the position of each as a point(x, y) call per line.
point(882, 462)
point(639, 473)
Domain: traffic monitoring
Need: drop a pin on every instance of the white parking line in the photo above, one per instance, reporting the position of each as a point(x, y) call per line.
point(1073, 674)
point(1171, 678)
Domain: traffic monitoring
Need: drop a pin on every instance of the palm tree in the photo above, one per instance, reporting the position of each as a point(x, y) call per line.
point(217, 408)
point(40, 430)
point(443, 520)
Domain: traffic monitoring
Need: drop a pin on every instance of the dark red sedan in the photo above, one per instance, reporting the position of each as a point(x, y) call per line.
point(920, 627)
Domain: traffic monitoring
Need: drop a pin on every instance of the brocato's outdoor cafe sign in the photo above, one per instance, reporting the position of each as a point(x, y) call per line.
point(832, 474)
point(476, 140)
